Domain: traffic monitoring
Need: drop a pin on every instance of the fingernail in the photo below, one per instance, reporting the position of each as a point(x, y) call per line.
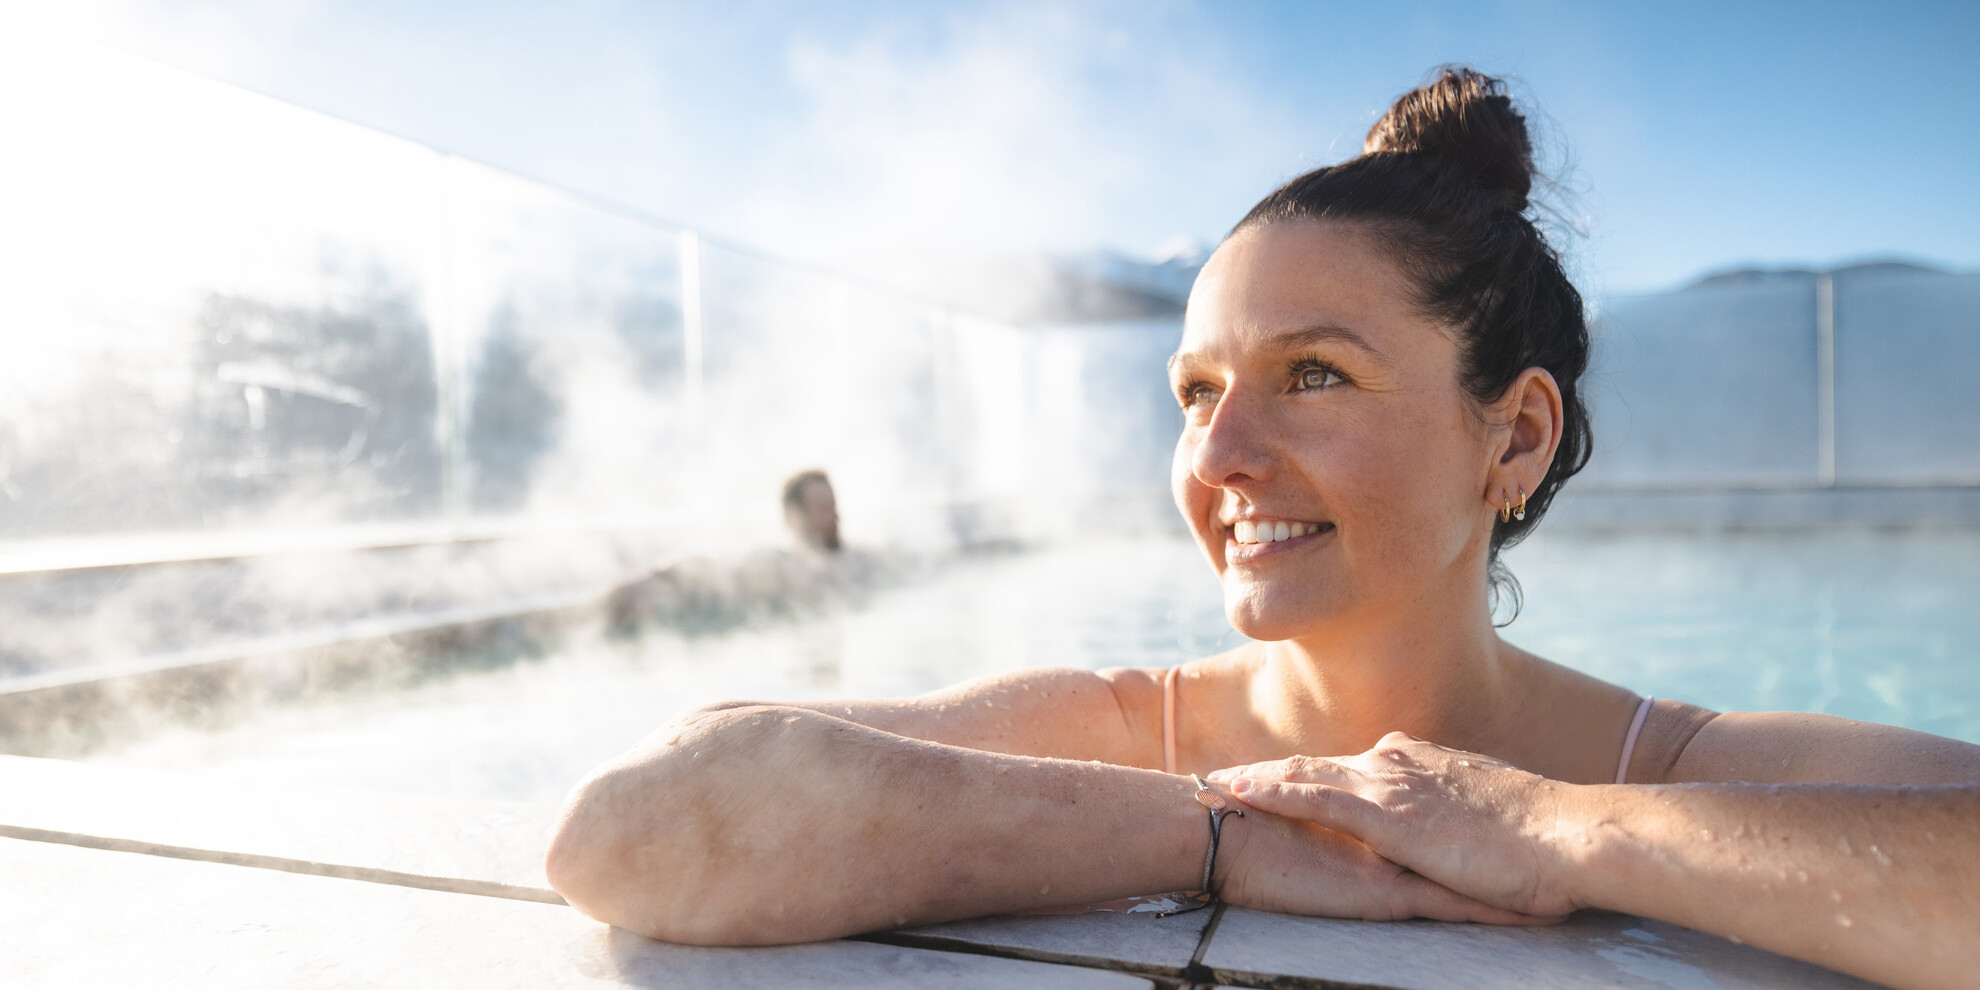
point(1219, 775)
point(1242, 785)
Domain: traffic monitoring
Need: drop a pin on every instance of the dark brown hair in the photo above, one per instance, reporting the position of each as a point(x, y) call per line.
point(1444, 180)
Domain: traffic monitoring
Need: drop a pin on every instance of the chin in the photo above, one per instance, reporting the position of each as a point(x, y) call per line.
point(1261, 617)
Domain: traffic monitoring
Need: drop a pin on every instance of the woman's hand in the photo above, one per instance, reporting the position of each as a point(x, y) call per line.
point(1277, 863)
point(1475, 825)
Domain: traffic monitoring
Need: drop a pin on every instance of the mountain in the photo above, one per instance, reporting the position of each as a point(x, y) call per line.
point(1794, 276)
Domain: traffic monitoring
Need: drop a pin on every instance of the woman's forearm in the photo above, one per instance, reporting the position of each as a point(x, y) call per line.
point(1882, 882)
point(765, 825)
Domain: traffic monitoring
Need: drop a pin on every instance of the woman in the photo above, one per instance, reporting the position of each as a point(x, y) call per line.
point(1379, 375)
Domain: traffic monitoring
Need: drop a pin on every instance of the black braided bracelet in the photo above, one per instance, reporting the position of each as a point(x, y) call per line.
point(1214, 803)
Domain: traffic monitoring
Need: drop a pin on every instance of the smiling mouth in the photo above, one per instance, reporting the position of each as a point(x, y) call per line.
point(1250, 532)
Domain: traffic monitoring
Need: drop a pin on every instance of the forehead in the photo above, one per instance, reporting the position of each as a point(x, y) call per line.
point(1268, 281)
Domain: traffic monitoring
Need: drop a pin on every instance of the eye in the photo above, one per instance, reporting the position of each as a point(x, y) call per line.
point(1196, 394)
point(1311, 376)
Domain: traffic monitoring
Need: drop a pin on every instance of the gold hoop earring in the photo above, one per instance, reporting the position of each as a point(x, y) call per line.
point(1505, 510)
point(1520, 513)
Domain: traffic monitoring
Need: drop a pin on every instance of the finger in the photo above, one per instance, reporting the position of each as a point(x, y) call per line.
point(1420, 897)
point(1301, 770)
point(1322, 804)
point(1286, 769)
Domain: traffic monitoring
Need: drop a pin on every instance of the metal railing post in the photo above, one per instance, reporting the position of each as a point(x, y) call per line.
point(1825, 380)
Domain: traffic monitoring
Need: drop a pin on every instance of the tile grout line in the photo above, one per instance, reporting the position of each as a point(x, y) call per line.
point(394, 878)
point(1196, 974)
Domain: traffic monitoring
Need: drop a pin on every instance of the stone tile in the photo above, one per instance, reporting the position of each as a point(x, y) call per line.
point(86, 917)
point(1590, 950)
point(487, 846)
point(1136, 941)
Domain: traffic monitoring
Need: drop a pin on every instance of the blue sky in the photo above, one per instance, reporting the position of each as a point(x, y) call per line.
point(1699, 136)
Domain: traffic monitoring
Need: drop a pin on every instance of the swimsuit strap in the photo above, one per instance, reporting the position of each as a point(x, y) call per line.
point(1169, 719)
point(1629, 741)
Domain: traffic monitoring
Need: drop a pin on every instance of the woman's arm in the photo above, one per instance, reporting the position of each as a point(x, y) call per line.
point(767, 824)
point(763, 825)
point(1878, 880)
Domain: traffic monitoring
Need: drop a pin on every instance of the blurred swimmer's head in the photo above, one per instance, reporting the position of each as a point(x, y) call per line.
point(811, 511)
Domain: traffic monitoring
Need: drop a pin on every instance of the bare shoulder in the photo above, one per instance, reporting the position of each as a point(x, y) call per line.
point(1805, 747)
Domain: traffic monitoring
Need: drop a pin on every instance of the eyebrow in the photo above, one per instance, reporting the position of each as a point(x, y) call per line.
point(1323, 333)
point(1319, 333)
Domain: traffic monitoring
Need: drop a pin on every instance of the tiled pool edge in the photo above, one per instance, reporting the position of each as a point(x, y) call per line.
point(481, 888)
point(199, 924)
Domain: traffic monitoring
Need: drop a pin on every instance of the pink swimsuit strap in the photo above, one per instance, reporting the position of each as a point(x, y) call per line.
point(1629, 741)
point(1169, 719)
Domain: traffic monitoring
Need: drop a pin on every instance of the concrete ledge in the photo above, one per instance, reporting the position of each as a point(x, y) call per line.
point(82, 917)
point(1257, 948)
point(74, 712)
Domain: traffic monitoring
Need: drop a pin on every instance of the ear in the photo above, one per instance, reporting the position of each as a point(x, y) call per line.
point(1529, 431)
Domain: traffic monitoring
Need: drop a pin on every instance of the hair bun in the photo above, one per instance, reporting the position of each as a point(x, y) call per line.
point(1466, 119)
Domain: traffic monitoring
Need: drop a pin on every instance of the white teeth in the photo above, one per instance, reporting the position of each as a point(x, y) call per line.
point(1257, 531)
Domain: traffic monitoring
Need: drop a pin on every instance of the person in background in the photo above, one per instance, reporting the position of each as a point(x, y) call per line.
point(814, 572)
point(811, 512)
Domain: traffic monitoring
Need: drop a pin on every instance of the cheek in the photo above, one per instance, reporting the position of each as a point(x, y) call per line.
point(1405, 489)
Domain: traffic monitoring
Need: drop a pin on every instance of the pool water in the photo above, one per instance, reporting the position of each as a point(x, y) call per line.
point(1878, 626)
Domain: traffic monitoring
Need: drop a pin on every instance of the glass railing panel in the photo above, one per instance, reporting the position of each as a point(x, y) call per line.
point(909, 410)
point(569, 340)
point(1908, 379)
point(1708, 387)
point(218, 307)
point(780, 373)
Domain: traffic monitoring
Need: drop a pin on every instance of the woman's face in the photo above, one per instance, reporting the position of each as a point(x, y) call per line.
point(1321, 407)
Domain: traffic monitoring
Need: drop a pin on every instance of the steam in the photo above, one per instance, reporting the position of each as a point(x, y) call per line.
point(1005, 131)
point(270, 327)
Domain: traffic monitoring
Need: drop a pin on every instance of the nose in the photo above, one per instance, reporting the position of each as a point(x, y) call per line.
point(1233, 447)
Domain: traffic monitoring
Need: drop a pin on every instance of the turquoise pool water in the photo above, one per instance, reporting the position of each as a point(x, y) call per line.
point(1883, 626)
point(1879, 626)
